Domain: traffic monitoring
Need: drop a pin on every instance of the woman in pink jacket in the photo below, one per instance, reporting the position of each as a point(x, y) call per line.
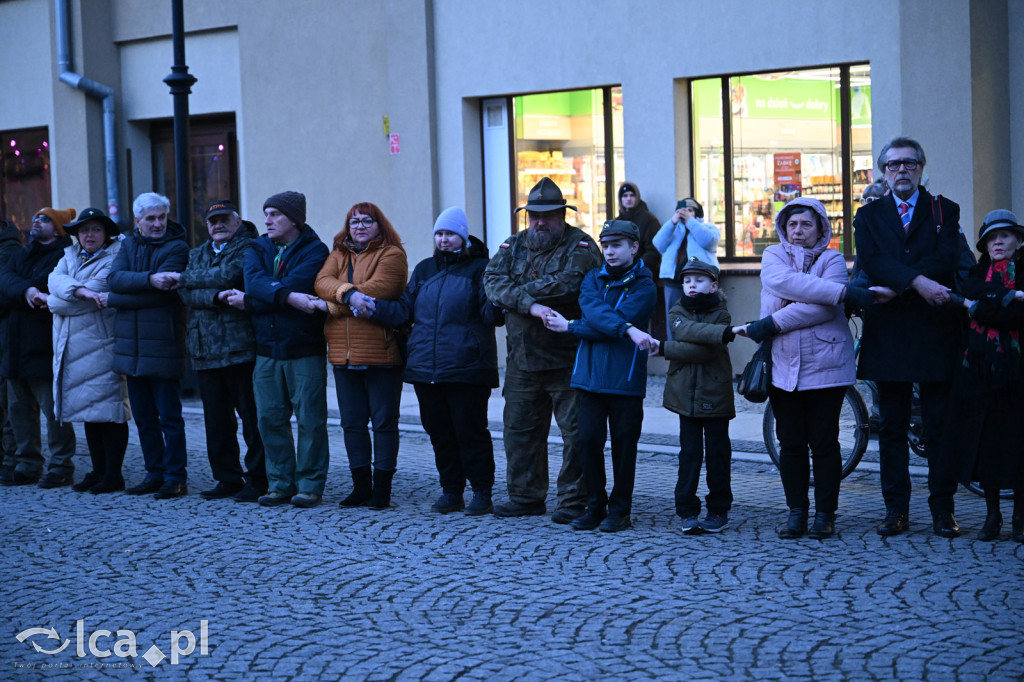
point(804, 285)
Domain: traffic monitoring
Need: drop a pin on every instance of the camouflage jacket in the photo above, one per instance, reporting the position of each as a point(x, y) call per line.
point(517, 277)
point(218, 335)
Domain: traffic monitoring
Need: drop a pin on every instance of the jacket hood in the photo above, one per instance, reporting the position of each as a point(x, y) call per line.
point(818, 208)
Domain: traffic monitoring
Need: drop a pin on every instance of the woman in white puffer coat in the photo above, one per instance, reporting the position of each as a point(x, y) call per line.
point(85, 386)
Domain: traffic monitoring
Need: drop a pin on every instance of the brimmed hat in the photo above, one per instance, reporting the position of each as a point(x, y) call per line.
point(620, 228)
point(697, 265)
point(60, 217)
point(109, 226)
point(545, 196)
point(220, 207)
point(999, 219)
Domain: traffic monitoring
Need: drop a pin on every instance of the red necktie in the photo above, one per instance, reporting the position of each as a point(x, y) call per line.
point(905, 215)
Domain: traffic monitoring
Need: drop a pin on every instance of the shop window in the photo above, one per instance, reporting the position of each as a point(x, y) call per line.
point(567, 137)
point(24, 175)
point(760, 140)
point(214, 156)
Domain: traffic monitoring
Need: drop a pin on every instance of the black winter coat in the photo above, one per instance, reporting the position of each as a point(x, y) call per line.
point(26, 334)
point(642, 217)
point(906, 339)
point(452, 339)
point(149, 330)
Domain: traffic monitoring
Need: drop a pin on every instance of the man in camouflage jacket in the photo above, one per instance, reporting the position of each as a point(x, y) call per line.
point(535, 271)
point(222, 346)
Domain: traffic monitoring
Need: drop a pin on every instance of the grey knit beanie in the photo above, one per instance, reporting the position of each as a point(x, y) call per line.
point(292, 204)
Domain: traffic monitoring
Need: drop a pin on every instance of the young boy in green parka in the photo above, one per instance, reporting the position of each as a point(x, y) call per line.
point(699, 389)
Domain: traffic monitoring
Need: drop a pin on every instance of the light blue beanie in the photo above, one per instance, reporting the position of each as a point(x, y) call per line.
point(454, 220)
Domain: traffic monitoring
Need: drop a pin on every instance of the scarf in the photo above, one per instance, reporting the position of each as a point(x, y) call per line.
point(701, 303)
point(992, 357)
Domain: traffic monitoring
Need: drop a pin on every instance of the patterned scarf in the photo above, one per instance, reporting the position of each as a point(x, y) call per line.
point(992, 357)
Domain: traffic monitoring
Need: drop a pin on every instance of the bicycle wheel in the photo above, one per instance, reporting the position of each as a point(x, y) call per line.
point(976, 488)
point(854, 431)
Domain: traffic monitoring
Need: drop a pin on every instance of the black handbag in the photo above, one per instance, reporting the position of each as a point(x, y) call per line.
point(757, 375)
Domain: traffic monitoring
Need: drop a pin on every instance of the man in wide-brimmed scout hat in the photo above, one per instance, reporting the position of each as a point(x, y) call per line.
point(536, 271)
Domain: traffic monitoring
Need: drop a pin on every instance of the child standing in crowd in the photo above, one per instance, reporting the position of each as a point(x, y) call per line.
point(617, 301)
point(699, 390)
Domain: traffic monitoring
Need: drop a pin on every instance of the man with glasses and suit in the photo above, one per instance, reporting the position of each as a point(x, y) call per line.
point(909, 241)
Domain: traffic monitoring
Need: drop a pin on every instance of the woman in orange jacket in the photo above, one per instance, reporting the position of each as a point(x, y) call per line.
point(367, 262)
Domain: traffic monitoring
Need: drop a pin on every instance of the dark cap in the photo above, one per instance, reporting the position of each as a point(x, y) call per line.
point(620, 228)
point(697, 265)
point(220, 207)
point(544, 197)
point(93, 214)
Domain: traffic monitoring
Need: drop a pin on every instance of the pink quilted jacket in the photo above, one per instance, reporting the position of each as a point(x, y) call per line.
point(814, 348)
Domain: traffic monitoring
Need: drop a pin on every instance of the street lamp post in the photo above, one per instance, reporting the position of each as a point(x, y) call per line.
point(180, 82)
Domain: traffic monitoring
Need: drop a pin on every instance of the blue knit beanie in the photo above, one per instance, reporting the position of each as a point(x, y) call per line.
point(454, 220)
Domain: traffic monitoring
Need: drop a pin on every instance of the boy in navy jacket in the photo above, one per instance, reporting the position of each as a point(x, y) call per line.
point(610, 374)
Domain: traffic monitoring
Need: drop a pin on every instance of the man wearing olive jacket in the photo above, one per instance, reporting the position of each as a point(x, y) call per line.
point(222, 346)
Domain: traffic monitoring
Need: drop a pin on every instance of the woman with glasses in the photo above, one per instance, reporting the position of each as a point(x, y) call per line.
point(367, 263)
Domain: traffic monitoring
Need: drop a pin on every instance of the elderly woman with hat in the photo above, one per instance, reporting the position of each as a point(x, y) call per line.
point(984, 442)
point(803, 287)
point(85, 386)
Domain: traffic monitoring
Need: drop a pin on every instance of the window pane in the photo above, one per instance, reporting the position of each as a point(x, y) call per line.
point(561, 135)
point(24, 175)
point(786, 143)
point(860, 120)
point(708, 137)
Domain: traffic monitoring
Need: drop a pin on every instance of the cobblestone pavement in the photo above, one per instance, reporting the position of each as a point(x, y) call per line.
point(404, 594)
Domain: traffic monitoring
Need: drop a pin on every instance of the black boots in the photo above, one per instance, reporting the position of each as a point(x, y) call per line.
point(795, 526)
point(824, 525)
point(362, 488)
point(993, 524)
point(381, 496)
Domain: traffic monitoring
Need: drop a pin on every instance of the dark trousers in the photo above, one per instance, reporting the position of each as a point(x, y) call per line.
point(809, 420)
point(455, 417)
point(225, 391)
point(107, 443)
point(156, 407)
point(702, 439)
point(596, 413)
point(370, 396)
point(894, 407)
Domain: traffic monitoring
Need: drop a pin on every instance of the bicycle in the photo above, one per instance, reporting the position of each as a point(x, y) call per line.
point(855, 427)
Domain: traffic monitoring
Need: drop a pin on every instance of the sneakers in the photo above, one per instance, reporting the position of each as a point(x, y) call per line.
point(714, 523)
point(55, 480)
point(480, 504)
point(274, 500)
point(221, 490)
point(306, 500)
point(691, 525)
point(448, 503)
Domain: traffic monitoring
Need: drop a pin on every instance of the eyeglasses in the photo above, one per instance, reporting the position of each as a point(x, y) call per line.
point(43, 218)
point(909, 164)
point(365, 221)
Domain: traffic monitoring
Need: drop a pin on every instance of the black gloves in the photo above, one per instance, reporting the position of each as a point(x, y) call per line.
point(859, 297)
point(762, 329)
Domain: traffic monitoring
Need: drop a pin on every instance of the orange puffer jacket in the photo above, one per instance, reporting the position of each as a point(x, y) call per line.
point(379, 272)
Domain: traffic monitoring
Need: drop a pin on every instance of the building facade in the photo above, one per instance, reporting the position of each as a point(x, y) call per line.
point(421, 104)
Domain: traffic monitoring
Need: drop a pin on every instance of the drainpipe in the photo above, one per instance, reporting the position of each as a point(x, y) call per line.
point(93, 89)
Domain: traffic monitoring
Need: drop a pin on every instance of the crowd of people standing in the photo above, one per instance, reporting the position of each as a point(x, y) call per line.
point(261, 316)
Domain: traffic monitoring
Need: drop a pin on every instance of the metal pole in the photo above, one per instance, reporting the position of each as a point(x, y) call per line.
point(180, 82)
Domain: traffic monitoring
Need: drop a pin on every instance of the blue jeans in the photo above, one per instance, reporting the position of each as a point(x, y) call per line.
point(371, 395)
point(156, 407)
